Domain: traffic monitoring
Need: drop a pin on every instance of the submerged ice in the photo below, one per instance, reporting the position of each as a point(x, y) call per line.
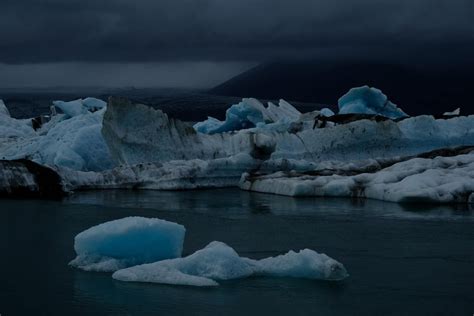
point(217, 261)
point(126, 242)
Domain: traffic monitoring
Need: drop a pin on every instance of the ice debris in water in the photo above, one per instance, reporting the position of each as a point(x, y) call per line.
point(126, 242)
point(217, 261)
point(367, 100)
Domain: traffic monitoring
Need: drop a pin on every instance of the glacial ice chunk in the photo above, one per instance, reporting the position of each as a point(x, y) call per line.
point(3, 109)
point(217, 261)
point(326, 112)
point(250, 113)
point(367, 100)
point(243, 115)
point(126, 242)
point(75, 143)
point(456, 112)
point(93, 104)
point(11, 128)
point(71, 108)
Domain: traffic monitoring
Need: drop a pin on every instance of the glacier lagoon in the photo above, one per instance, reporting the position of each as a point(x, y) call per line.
point(402, 259)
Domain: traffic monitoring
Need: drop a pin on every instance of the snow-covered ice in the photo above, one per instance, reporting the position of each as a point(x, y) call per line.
point(80, 106)
point(439, 180)
point(71, 108)
point(126, 242)
point(367, 100)
point(217, 261)
point(74, 143)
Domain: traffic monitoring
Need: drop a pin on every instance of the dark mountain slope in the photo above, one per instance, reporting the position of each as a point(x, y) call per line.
point(417, 90)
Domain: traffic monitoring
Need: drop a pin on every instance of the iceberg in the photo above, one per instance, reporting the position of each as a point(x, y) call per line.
point(248, 114)
point(327, 112)
point(11, 129)
point(440, 179)
point(71, 108)
point(93, 104)
point(367, 100)
point(217, 261)
point(456, 112)
point(126, 242)
point(139, 134)
point(74, 143)
point(80, 106)
point(3, 109)
point(26, 179)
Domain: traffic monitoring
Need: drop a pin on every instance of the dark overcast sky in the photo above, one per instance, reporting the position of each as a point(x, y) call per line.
point(71, 42)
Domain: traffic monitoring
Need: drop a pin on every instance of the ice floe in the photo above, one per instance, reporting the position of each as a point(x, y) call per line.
point(439, 180)
point(126, 242)
point(217, 261)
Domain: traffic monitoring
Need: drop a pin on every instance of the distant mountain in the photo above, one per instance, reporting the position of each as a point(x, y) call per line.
point(418, 90)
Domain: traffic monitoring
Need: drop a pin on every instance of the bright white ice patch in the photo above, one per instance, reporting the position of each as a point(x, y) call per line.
point(126, 242)
point(217, 261)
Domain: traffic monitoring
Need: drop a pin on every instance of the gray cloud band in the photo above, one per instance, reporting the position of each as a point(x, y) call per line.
point(257, 30)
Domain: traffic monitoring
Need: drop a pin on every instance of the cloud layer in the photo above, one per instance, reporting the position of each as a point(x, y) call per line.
point(33, 31)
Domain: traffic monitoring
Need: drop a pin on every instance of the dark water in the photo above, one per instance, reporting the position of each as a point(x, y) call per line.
point(402, 260)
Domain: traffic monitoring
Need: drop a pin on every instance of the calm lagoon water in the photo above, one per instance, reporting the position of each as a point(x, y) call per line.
point(402, 260)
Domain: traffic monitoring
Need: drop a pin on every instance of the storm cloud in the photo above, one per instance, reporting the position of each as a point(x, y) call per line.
point(49, 31)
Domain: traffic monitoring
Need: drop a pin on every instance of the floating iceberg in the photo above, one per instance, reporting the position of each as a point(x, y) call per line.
point(139, 134)
point(439, 180)
point(26, 179)
point(366, 100)
point(172, 175)
point(3, 109)
point(126, 242)
point(74, 143)
point(456, 112)
point(12, 129)
point(71, 108)
point(248, 114)
point(217, 261)
point(93, 104)
point(80, 106)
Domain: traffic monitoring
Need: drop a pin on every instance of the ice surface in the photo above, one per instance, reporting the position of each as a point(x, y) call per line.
point(128, 241)
point(248, 114)
point(11, 129)
point(173, 175)
point(217, 261)
point(80, 106)
point(75, 143)
point(439, 180)
point(3, 109)
point(366, 100)
point(71, 108)
point(456, 112)
point(93, 104)
point(245, 114)
point(139, 134)
point(326, 112)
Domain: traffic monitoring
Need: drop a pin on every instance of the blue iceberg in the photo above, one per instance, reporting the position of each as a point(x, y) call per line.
point(367, 100)
point(246, 114)
point(126, 242)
